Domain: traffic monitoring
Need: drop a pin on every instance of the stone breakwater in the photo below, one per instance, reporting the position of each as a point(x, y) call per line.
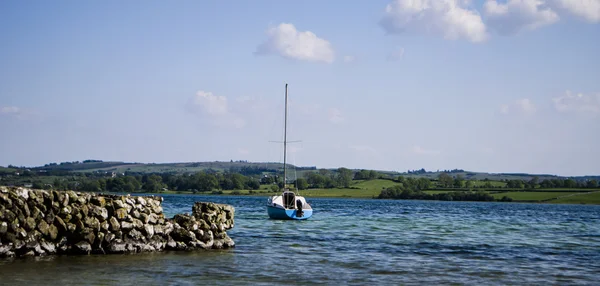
point(41, 222)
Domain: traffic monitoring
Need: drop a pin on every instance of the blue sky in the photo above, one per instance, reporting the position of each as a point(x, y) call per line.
point(494, 86)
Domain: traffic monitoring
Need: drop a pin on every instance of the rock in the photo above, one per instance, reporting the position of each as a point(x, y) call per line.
point(92, 223)
point(49, 247)
point(121, 213)
point(105, 226)
point(88, 235)
point(58, 222)
point(117, 246)
point(98, 201)
point(126, 225)
point(99, 239)
point(100, 213)
point(84, 210)
point(50, 217)
point(152, 218)
point(3, 227)
point(60, 225)
point(138, 224)
point(53, 232)
point(23, 193)
point(71, 227)
point(21, 233)
point(149, 230)
point(6, 251)
point(114, 224)
point(118, 204)
point(37, 214)
point(183, 235)
point(8, 215)
point(145, 218)
point(158, 229)
point(171, 243)
point(30, 224)
point(136, 214)
point(135, 234)
point(109, 237)
point(83, 247)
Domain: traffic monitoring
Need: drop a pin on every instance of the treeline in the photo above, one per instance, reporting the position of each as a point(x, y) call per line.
point(408, 193)
point(198, 182)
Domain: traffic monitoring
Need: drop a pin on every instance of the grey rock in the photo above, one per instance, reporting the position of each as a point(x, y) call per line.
point(83, 247)
point(49, 247)
point(114, 224)
point(126, 225)
point(3, 227)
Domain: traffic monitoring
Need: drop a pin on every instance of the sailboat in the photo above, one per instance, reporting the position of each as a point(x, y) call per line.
point(289, 205)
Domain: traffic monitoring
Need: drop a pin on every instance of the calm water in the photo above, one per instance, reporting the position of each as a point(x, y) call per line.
point(359, 242)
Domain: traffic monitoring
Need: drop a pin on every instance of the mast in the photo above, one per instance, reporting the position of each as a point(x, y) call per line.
point(285, 139)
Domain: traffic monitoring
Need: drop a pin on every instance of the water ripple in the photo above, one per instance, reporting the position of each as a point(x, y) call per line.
point(359, 242)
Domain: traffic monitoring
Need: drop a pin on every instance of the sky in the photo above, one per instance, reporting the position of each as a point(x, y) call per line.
point(481, 85)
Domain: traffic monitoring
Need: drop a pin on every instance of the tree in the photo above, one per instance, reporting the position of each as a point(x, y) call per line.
point(533, 182)
point(301, 184)
point(153, 183)
point(445, 180)
point(344, 177)
point(469, 184)
point(458, 181)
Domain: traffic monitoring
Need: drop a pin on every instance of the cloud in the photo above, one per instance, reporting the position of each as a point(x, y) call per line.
point(587, 9)
point(516, 15)
point(210, 103)
point(10, 110)
point(578, 103)
point(523, 105)
point(243, 151)
point(335, 115)
point(451, 19)
point(396, 55)
point(287, 42)
point(421, 151)
point(18, 113)
point(526, 105)
point(216, 109)
point(349, 59)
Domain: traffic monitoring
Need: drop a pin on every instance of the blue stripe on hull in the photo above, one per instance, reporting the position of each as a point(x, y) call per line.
point(278, 213)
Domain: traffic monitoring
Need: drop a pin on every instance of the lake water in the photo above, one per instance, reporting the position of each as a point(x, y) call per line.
point(350, 241)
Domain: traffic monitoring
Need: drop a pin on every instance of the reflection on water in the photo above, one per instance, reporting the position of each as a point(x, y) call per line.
point(358, 242)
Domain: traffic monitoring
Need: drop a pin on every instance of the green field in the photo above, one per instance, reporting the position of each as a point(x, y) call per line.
point(531, 196)
point(581, 198)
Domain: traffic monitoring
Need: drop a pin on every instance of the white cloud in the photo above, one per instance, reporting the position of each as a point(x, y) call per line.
point(211, 103)
point(349, 59)
point(516, 15)
point(335, 115)
point(396, 55)
point(523, 105)
point(421, 151)
point(10, 110)
point(578, 103)
point(287, 42)
point(216, 108)
point(526, 105)
point(451, 19)
point(587, 9)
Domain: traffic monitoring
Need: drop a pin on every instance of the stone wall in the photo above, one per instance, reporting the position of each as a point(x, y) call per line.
point(41, 222)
